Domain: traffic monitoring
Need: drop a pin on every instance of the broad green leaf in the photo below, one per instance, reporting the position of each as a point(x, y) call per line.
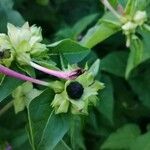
point(56, 127)
point(111, 20)
point(97, 34)
point(122, 138)
point(115, 63)
point(135, 55)
point(8, 85)
point(19, 140)
point(71, 50)
point(6, 4)
point(76, 136)
point(140, 51)
point(46, 128)
point(106, 103)
point(140, 84)
point(106, 26)
point(142, 142)
point(7, 14)
point(14, 17)
point(75, 32)
point(82, 24)
point(146, 35)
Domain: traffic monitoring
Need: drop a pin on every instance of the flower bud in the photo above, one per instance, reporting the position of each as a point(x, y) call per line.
point(129, 27)
point(140, 17)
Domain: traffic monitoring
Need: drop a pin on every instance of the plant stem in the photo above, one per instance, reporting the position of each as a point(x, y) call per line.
point(15, 74)
point(60, 74)
point(6, 107)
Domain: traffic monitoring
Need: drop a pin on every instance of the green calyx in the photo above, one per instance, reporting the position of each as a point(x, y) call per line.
point(24, 42)
point(22, 96)
point(77, 95)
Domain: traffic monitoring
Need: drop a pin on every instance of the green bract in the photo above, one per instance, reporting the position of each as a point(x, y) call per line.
point(62, 103)
point(23, 42)
point(22, 95)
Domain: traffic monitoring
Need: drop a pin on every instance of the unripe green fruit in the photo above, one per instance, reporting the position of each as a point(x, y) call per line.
point(75, 90)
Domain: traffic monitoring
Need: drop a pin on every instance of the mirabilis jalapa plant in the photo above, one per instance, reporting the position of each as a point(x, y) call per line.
point(77, 90)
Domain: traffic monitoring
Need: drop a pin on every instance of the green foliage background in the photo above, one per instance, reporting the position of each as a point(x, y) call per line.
point(121, 120)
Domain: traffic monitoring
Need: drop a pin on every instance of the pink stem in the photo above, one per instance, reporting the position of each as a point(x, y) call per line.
point(12, 73)
point(60, 74)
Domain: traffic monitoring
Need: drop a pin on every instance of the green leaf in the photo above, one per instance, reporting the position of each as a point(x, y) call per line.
point(140, 84)
point(106, 26)
point(111, 20)
point(71, 50)
point(82, 24)
point(115, 63)
point(8, 85)
point(75, 31)
point(135, 56)
point(122, 138)
point(106, 103)
point(19, 140)
point(7, 14)
point(6, 4)
point(52, 134)
point(146, 35)
point(77, 140)
point(97, 34)
point(141, 143)
point(44, 125)
point(140, 51)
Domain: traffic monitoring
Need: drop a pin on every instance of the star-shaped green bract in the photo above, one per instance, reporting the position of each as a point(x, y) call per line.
point(77, 95)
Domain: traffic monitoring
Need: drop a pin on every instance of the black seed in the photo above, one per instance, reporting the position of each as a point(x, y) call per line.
point(75, 90)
